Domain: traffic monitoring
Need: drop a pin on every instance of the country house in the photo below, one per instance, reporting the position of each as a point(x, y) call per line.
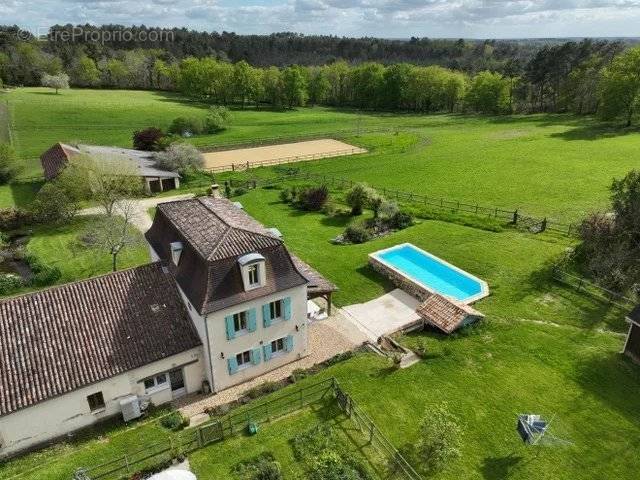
point(223, 302)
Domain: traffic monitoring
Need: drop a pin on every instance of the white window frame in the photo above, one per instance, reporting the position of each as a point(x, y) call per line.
point(157, 386)
point(240, 357)
point(253, 275)
point(238, 319)
point(279, 352)
point(250, 263)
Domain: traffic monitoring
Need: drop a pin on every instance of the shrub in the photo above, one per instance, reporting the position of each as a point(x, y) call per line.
point(186, 126)
point(9, 164)
point(357, 232)
point(239, 191)
point(43, 275)
point(179, 157)
point(262, 467)
point(14, 218)
point(387, 210)
point(357, 198)
point(263, 389)
point(53, 205)
point(326, 456)
point(420, 349)
point(285, 195)
point(313, 198)
point(175, 421)
point(10, 283)
point(217, 119)
point(439, 439)
point(400, 220)
point(149, 139)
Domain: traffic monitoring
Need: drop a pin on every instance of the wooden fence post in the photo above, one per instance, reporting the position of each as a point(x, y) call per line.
point(515, 217)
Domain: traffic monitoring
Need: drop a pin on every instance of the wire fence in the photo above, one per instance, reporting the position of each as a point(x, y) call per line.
point(514, 217)
point(156, 455)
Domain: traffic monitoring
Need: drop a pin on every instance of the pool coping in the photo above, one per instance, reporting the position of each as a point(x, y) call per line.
point(374, 257)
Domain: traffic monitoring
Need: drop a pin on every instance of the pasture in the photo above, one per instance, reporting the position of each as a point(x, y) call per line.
point(558, 166)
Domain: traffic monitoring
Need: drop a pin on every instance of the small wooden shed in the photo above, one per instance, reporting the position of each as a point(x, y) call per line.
point(632, 343)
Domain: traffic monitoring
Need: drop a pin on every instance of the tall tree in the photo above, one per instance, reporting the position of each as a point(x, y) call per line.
point(620, 90)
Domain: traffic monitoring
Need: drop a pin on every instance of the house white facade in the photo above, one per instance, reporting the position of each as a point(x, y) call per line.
point(223, 302)
point(86, 406)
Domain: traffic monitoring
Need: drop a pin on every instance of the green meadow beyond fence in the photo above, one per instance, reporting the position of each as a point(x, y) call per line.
point(514, 217)
point(218, 429)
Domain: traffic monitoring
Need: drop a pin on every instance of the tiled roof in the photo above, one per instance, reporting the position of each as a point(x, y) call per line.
point(63, 338)
point(445, 313)
point(143, 163)
point(317, 285)
point(215, 233)
point(55, 159)
point(216, 228)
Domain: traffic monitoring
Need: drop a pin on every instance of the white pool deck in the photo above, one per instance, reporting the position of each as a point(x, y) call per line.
point(384, 315)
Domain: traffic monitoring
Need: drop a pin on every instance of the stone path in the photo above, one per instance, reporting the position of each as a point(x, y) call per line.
point(327, 338)
point(140, 218)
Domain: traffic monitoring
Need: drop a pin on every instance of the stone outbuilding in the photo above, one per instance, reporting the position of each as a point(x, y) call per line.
point(136, 162)
point(447, 314)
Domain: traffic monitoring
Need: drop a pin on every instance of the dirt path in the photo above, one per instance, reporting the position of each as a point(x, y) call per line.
point(141, 218)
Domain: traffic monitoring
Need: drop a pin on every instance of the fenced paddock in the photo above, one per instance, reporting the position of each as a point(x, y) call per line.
point(244, 158)
point(327, 392)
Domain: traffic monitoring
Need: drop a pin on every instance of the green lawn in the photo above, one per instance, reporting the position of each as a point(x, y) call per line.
point(554, 165)
point(516, 265)
point(275, 438)
point(59, 246)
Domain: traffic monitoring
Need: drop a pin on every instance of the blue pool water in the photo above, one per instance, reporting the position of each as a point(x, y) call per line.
point(431, 272)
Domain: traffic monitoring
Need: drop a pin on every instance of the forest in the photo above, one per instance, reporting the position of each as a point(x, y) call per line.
point(285, 70)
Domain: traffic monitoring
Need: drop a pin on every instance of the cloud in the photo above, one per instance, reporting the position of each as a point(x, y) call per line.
point(390, 18)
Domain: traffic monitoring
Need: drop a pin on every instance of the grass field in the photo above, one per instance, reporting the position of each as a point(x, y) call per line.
point(543, 348)
point(548, 165)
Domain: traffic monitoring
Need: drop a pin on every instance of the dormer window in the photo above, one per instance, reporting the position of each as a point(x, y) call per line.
point(253, 270)
point(176, 252)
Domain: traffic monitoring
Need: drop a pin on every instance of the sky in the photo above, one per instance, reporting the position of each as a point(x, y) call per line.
point(379, 18)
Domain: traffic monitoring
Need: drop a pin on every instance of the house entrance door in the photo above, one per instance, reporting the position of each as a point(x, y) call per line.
point(177, 383)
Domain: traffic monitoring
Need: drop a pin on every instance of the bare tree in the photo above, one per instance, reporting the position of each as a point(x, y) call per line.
point(115, 233)
point(105, 180)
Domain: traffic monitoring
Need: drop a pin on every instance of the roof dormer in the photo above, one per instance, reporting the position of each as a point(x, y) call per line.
point(254, 274)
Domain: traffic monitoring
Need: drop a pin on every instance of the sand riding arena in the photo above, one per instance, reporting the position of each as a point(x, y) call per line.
point(243, 158)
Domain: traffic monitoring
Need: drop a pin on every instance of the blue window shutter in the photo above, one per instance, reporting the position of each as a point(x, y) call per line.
point(266, 315)
point(251, 320)
point(232, 363)
point(231, 330)
point(286, 304)
point(267, 351)
point(255, 356)
point(289, 343)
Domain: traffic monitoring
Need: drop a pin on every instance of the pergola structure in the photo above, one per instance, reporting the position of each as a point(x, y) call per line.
point(318, 287)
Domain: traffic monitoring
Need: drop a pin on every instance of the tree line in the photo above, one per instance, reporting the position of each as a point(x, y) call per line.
point(501, 77)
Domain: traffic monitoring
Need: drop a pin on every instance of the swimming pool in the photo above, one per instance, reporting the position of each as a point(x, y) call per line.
point(429, 272)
